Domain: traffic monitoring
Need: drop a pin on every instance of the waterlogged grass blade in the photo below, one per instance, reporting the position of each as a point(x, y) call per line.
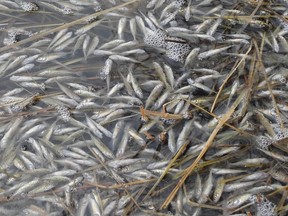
point(209, 142)
point(177, 155)
point(67, 25)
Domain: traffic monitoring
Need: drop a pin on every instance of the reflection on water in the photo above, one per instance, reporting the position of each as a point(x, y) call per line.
point(143, 107)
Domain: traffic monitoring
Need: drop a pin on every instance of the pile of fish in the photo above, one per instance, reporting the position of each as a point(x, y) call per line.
point(159, 107)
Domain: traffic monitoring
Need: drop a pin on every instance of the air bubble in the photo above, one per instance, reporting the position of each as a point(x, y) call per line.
point(63, 112)
point(67, 11)
point(16, 108)
point(264, 206)
point(179, 3)
point(156, 38)
point(264, 142)
point(282, 134)
point(177, 51)
point(29, 6)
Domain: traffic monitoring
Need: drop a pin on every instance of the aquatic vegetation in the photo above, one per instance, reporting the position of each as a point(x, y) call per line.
point(156, 107)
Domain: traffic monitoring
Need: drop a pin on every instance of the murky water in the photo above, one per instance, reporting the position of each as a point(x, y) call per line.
point(143, 107)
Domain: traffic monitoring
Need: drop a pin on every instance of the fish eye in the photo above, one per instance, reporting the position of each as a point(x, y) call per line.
point(24, 147)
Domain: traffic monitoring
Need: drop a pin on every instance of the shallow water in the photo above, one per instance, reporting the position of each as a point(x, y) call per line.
point(97, 117)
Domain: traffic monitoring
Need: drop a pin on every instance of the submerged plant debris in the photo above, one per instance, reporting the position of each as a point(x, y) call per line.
point(159, 107)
